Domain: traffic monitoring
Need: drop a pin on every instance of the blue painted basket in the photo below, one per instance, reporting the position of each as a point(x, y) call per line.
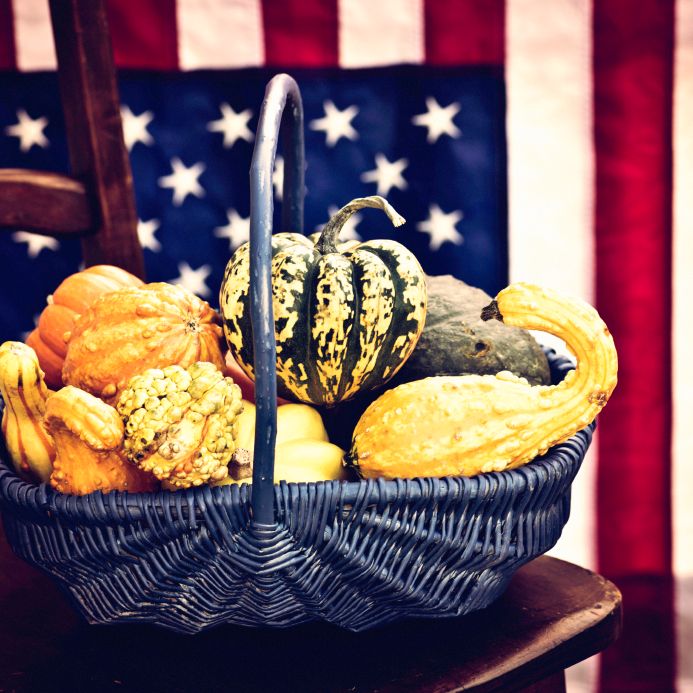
point(356, 554)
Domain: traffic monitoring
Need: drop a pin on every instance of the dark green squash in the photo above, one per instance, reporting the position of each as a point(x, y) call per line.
point(456, 340)
point(346, 318)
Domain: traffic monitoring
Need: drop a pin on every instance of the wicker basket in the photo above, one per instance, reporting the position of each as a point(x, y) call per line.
point(357, 554)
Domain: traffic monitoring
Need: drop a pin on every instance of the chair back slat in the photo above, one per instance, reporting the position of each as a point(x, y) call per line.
point(44, 202)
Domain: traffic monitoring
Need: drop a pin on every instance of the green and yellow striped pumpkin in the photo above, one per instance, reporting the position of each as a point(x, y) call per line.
point(346, 318)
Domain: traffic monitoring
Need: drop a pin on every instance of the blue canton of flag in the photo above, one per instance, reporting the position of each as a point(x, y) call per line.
point(430, 141)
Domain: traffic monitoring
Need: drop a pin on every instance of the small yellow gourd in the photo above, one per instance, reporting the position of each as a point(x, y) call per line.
point(464, 425)
point(24, 393)
point(302, 453)
point(294, 422)
point(88, 435)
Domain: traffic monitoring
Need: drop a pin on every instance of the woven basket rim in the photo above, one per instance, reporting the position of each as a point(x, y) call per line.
point(21, 494)
point(15, 491)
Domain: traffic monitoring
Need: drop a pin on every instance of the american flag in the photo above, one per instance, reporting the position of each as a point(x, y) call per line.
point(541, 140)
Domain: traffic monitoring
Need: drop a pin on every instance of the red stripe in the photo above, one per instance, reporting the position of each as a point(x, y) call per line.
point(465, 32)
point(144, 33)
point(8, 59)
point(642, 661)
point(633, 79)
point(301, 33)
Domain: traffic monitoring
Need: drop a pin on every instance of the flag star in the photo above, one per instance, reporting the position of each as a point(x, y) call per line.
point(441, 227)
point(35, 242)
point(29, 131)
point(135, 127)
point(146, 231)
point(237, 230)
point(183, 181)
point(438, 120)
point(336, 123)
point(278, 177)
point(234, 126)
point(348, 232)
point(193, 280)
point(387, 174)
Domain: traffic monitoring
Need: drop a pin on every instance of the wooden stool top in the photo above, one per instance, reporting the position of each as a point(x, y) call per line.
point(553, 615)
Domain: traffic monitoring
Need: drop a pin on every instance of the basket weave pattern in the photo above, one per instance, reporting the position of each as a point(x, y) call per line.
point(356, 554)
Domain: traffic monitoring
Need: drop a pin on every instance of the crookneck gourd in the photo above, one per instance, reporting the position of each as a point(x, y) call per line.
point(24, 394)
point(88, 435)
point(130, 330)
point(346, 319)
point(464, 425)
point(72, 298)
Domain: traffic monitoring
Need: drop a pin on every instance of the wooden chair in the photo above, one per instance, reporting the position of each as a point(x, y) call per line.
point(97, 201)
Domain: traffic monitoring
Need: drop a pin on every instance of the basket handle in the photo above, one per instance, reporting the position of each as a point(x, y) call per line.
point(282, 89)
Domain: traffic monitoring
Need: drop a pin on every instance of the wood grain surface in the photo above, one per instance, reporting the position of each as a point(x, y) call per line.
point(44, 202)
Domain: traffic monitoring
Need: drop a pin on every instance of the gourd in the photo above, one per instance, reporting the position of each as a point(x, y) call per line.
point(239, 376)
point(88, 435)
point(303, 452)
point(455, 339)
point(344, 321)
point(464, 425)
point(24, 393)
point(133, 329)
point(180, 423)
point(72, 298)
point(294, 422)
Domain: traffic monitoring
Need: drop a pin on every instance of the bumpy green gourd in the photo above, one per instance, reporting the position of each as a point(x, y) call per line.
point(464, 425)
point(181, 423)
point(346, 318)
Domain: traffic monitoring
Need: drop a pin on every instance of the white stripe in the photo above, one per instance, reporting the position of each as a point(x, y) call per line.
point(682, 340)
point(380, 32)
point(219, 34)
point(551, 198)
point(33, 35)
point(550, 145)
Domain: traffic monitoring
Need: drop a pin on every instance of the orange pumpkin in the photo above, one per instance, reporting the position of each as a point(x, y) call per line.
point(125, 332)
point(72, 298)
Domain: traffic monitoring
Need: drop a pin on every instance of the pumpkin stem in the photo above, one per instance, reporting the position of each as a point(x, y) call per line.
point(327, 243)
